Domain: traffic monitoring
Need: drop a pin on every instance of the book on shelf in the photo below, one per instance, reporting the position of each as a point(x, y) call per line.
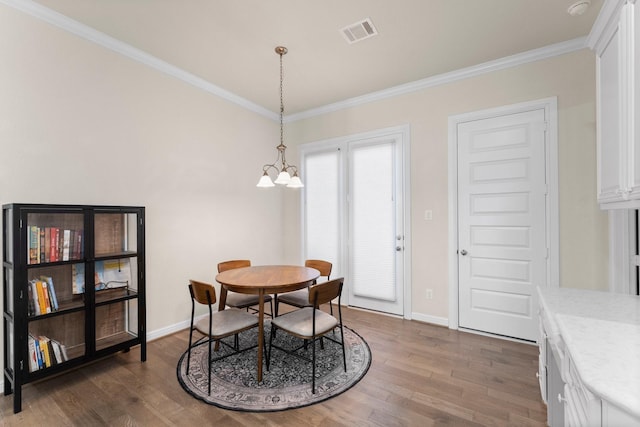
point(57, 352)
point(77, 271)
point(41, 254)
point(35, 298)
point(31, 307)
point(40, 292)
point(53, 299)
point(44, 347)
point(77, 245)
point(47, 244)
point(42, 298)
point(66, 241)
point(45, 352)
point(34, 242)
point(46, 298)
point(38, 353)
point(33, 358)
point(53, 247)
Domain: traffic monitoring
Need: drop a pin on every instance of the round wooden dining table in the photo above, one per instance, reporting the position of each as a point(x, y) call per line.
point(262, 280)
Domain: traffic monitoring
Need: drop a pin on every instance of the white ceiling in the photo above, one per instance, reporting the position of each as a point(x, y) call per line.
point(230, 43)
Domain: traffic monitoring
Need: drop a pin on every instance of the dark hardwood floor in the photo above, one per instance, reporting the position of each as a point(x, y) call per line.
point(421, 375)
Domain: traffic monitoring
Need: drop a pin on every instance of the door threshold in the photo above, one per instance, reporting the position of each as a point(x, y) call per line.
point(502, 337)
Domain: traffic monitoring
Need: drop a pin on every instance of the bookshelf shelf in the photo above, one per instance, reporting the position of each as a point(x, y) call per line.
point(73, 287)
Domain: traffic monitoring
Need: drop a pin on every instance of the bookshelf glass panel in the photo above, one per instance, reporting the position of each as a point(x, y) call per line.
point(65, 333)
point(8, 332)
point(116, 323)
point(115, 233)
point(54, 237)
point(8, 302)
point(8, 232)
point(55, 288)
point(113, 274)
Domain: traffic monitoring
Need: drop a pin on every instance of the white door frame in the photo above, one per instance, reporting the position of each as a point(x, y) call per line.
point(550, 106)
point(403, 133)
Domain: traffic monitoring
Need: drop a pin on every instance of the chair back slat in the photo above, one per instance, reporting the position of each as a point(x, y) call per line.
point(324, 267)
point(202, 292)
point(324, 292)
point(230, 265)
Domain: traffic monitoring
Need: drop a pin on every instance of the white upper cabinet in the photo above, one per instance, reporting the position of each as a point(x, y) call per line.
point(615, 38)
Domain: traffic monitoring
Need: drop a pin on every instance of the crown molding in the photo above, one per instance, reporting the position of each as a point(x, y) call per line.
point(84, 31)
point(605, 25)
point(441, 79)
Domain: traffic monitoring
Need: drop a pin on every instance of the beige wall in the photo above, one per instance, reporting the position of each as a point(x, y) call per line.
point(583, 228)
point(80, 124)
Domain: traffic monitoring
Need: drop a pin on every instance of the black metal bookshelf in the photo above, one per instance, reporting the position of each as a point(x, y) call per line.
point(73, 288)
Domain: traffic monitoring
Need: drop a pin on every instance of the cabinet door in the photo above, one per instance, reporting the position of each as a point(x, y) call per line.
point(614, 417)
point(610, 174)
point(54, 288)
point(555, 387)
point(632, 22)
point(117, 271)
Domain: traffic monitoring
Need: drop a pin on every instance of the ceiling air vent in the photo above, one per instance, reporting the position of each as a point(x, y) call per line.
point(359, 31)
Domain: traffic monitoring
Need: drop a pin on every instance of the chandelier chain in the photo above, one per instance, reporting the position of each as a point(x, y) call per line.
point(281, 102)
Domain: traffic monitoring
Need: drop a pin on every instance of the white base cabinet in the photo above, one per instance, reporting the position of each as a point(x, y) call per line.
point(585, 342)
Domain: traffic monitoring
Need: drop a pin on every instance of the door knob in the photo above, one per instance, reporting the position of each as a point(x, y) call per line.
point(463, 252)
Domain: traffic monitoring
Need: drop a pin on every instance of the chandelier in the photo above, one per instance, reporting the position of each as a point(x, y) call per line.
point(287, 174)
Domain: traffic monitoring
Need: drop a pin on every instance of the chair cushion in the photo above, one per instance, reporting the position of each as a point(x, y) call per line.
point(300, 322)
point(299, 298)
point(226, 322)
point(235, 299)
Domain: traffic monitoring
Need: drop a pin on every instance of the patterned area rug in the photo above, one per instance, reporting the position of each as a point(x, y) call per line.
point(286, 385)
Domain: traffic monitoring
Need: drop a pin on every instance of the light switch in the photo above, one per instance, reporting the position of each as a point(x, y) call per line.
point(428, 215)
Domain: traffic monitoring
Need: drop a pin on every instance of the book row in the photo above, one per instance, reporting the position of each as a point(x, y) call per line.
point(52, 244)
point(45, 353)
point(42, 297)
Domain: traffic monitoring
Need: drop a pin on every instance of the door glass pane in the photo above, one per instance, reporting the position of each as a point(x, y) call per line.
point(322, 207)
point(373, 221)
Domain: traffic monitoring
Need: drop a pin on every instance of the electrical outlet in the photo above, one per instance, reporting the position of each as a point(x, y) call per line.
point(429, 293)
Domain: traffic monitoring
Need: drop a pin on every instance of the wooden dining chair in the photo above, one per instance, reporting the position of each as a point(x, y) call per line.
point(300, 298)
point(238, 300)
point(312, 324)
point(217, 324)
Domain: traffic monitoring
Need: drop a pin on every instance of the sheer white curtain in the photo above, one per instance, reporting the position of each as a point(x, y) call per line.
point(372, 220)
point(322, 207)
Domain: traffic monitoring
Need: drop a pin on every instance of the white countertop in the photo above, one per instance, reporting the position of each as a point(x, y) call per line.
point(601, 331)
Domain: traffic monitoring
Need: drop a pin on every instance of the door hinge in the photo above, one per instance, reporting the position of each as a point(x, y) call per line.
point(21, 365)
point(635, 259)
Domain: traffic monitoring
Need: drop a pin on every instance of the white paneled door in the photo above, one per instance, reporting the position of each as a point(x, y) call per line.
point(502, 243)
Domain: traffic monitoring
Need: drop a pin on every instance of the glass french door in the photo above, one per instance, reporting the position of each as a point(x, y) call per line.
point(353, 217)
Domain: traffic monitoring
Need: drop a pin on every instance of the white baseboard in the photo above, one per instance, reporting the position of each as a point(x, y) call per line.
point(440, 321)
point(168, 330)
